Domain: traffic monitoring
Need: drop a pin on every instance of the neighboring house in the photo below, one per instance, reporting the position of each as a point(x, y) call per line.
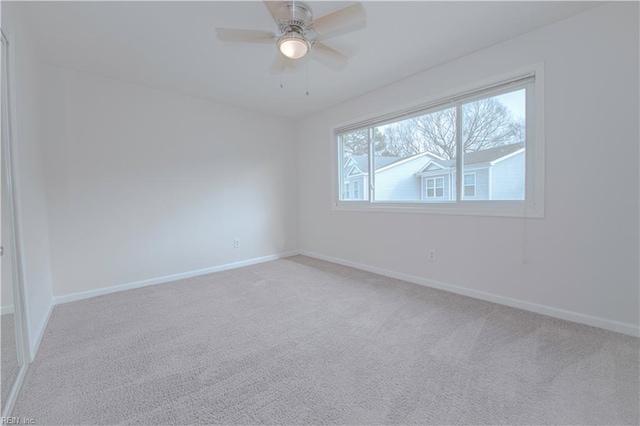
point(355, 175)
point(491, 174)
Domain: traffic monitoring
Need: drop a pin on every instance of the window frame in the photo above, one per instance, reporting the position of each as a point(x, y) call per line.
point(464, 183)
point(435, 188)
point(533, 204)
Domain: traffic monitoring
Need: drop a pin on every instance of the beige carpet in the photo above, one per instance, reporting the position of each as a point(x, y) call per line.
point(301, 341)
point(8, 356)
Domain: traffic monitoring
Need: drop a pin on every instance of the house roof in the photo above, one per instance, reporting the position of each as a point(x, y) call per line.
point(477, 157)
point(492, 154)
point(362, 161)
point(486, 155)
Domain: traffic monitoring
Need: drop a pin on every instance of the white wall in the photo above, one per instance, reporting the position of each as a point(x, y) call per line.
point(145, 183)
point(29, 175)
point(583, 256)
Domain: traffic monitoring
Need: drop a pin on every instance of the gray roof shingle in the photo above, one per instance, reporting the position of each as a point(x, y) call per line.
point(363, 161)
point(476, 157)
point(486, 155)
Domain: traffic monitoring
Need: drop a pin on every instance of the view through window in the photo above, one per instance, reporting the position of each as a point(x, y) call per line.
point(416, 159)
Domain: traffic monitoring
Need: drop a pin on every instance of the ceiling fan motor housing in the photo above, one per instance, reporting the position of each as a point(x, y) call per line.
point(295, 16)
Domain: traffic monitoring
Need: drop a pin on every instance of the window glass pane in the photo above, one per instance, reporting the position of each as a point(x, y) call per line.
point(410, 154)
point(415, 160)
point(493, 137)
point(355, 165)
point(469, 179)
point(469, 191)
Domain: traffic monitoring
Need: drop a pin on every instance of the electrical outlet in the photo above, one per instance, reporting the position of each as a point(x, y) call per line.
point(236, 243)
point(432, 255)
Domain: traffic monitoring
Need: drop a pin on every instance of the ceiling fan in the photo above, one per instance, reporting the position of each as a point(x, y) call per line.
point(300, 34)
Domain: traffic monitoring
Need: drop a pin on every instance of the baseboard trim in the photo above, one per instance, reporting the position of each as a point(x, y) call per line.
point(620, 327)
point(36, 343)
point(6, 310)
point(15, 390)
point(72, 297)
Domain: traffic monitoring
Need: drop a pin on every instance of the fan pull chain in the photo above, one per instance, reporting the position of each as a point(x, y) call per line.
point(307, 74)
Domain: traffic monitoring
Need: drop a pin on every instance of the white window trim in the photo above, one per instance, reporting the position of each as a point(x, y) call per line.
point(532, 207)
point(435, 187)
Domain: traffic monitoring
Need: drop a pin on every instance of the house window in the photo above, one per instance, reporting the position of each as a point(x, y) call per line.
point(356, 190)
point(472, 153)
point(354, 162)
point(435, 188)
point(470, 185)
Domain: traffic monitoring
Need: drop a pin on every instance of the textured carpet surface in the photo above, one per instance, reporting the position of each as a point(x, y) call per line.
point(8, 356)
point(301, 341)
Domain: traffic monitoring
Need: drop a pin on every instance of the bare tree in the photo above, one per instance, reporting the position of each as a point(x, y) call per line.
point(436, 132)
point(486, 123)
point(403, 139)
point(357, 143)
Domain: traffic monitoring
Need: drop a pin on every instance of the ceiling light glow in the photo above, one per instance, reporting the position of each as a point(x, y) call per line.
point(293, 45)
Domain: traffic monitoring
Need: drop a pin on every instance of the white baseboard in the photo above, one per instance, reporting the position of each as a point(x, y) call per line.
point(72, 297)
point(34, 344)
point(6, 309)
point(620, 327)
point(13, 394)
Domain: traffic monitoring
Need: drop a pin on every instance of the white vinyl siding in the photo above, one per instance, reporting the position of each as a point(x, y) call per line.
point(507, 179)
point(399, 182)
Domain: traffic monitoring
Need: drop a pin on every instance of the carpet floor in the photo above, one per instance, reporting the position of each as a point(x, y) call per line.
point(9, 367)
point(302, 341)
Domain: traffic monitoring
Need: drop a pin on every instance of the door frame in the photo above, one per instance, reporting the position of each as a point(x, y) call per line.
point(9, 173)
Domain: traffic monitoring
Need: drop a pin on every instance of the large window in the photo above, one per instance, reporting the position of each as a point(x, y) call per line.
point(472, 152)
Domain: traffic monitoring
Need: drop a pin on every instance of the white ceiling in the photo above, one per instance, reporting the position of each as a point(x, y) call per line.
point(173, 45)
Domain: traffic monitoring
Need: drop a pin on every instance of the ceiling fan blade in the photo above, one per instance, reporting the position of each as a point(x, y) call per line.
point(341, 21)
point(245, 36)
point(273, 6)
point(328, 56)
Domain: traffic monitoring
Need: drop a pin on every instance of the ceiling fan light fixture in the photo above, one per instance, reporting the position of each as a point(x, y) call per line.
point(293, 45)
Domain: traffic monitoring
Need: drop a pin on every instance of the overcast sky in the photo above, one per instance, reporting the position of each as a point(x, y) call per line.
point(515, 101)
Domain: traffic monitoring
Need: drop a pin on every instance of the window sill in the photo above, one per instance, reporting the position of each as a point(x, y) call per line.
point(469, 208)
